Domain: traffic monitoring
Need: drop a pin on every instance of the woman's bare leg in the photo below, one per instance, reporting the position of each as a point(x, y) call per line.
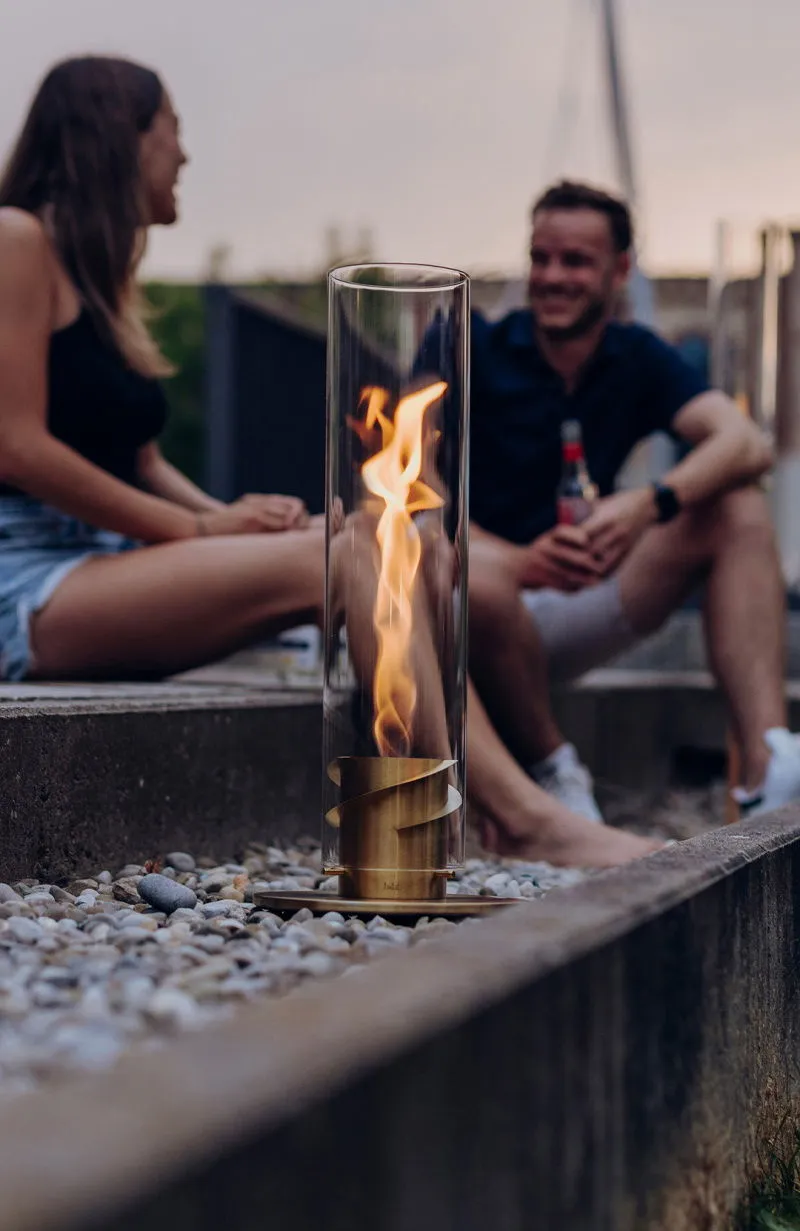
point(162, 609)
point(521, 820)
point(356, 566)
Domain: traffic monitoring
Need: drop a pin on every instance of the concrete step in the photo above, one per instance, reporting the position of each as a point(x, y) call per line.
point(109, 773)
point(101, 774)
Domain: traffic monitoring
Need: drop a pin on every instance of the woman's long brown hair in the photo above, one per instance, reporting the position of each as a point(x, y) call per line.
point(76, 166)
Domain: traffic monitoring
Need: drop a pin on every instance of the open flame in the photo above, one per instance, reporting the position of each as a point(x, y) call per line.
point(392, 475)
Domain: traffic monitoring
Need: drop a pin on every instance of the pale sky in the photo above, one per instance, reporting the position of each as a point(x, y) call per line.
point(429, 121)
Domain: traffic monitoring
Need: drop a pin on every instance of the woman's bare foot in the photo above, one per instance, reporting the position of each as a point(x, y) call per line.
point(565, 840)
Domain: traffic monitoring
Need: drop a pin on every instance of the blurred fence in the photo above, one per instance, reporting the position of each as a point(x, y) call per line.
point(265, 398)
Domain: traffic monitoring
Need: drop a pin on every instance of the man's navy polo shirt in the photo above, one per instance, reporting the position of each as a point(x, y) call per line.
point(633, 386)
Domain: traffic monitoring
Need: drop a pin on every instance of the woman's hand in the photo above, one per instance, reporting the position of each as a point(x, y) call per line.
point(281, 512)
point(254, 514)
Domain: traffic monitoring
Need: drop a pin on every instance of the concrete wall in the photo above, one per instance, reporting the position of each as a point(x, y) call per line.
point(609, 1059)
point(121, 774)
point(94, 775)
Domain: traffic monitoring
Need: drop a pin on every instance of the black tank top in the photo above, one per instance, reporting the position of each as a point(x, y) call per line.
point(97, 404)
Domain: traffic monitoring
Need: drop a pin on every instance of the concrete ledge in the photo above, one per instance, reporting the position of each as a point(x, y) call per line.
point(680, 644)
point(629, 723)
point(101, 775)
point(607, 1059)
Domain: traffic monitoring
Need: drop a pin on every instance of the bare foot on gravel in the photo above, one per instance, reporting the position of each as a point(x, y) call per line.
point(567, 841)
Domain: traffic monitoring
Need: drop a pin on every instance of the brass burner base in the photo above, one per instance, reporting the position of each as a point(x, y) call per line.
point(454, 906)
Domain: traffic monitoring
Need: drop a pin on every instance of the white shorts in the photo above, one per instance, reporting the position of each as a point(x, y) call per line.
point(582, 630)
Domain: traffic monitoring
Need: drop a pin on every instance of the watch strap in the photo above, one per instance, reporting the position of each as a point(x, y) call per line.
point(667, 503)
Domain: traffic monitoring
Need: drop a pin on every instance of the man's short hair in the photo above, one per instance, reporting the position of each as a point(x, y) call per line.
point(570, 194)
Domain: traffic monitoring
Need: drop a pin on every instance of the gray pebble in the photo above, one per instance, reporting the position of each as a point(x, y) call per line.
point(218, 910)
point(180, 861)
point(165, 894)
point(7, 894)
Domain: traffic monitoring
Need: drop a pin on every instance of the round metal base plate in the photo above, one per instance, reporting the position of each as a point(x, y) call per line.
point(454, 906)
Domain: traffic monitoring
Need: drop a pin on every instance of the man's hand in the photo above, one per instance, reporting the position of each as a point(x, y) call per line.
point(616, 523)
point(561, 559)
point(276, 512)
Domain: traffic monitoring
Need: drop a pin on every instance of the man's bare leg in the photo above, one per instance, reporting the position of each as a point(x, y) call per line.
point(731, 544)
point(507, 659)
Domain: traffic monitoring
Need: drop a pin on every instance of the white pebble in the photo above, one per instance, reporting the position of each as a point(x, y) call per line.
point(26, 931)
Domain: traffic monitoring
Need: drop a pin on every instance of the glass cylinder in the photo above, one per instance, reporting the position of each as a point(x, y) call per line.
point(394, 700)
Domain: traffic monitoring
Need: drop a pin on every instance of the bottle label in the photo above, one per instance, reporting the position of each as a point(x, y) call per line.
point(572, 510)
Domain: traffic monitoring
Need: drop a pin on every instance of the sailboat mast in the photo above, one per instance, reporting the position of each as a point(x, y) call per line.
point(618, 102)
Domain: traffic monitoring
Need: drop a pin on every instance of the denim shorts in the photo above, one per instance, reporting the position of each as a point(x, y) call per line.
point(39, 547)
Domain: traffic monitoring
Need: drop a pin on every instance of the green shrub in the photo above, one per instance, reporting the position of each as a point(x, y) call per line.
point(179, 327)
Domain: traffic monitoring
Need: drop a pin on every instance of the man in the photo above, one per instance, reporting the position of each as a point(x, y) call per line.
point(549, 602)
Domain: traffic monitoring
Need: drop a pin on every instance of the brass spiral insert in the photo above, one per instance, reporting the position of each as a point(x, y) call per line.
point(393, 822)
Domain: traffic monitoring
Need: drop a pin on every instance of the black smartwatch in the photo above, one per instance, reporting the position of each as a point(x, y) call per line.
point(666, 501)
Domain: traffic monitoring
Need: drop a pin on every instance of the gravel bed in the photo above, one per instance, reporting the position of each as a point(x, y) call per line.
point(678, 813)
point(114, 961)
point(88, 970)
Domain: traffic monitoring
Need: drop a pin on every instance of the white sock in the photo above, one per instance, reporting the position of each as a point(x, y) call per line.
point(560, 758)
point(781, 743)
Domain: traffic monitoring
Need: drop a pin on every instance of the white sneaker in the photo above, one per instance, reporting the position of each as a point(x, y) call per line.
point(563, 776)
point(782, 782)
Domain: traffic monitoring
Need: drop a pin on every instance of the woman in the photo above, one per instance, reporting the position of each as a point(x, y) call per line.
point(111, 561)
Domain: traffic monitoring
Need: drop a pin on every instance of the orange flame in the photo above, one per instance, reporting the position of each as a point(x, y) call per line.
point(392, 475)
